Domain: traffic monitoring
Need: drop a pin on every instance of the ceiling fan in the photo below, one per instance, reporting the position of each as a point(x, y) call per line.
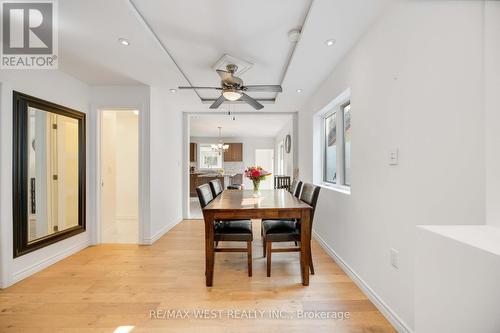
point(233, 89)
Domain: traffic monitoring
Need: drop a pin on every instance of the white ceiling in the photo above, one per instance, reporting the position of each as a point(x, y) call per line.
point(244, 125)
point(197, 33)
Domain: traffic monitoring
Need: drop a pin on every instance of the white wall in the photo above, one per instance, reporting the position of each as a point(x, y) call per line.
point(249, 146)
point(492, 107)
point(166, 160)
point(59, 88)
point(288, 157)
point(416, 82)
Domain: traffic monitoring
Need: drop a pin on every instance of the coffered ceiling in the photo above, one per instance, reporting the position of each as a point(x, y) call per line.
point(176, 42)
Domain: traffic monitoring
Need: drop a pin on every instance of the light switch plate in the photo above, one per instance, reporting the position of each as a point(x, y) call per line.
point(394, 156)
point(394, 258)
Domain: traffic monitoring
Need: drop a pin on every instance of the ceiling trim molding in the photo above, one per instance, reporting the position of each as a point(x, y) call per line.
point(291, 53)
point(163, 47)
point(292, 50)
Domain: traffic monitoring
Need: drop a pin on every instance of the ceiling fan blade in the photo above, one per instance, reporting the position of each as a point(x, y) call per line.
point(256, 105)
point(217, 88)
point(224, 75)
point(217, 102)
point(264, 87)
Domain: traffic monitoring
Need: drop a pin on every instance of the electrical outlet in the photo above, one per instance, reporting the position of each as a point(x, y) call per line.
point(394, 258)
point(394, 156)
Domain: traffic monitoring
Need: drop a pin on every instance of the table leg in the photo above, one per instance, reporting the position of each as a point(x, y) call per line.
point(305, 240)
point(209, 249)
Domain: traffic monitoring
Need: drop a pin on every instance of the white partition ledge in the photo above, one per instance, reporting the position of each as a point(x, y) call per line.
point(484, 237)
point(457, 279)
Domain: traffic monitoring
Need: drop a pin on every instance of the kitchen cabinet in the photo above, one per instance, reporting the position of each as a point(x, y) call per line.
point(193, 151)
point(234, 153)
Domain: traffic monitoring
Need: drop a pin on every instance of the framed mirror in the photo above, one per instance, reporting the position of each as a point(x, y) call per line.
point(48, 173)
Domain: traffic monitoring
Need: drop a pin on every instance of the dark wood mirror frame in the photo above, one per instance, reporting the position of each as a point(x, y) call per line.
point(21, 102)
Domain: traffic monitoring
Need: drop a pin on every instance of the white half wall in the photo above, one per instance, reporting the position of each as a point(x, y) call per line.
point(55, 87)
point(492, 107)
point(416, 86)
point(456, 279)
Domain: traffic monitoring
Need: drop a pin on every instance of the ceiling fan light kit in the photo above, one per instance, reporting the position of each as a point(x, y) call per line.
point(234, 90)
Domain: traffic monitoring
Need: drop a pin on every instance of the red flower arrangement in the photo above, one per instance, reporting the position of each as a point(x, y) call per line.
point(256, 174)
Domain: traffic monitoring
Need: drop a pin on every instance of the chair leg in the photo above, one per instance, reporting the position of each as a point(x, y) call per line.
point(311, 265)
point(263, 246)
point(269, 251)
point(249, 254)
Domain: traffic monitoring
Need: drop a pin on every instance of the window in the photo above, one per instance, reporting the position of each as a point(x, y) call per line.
point(209, 159)
point(330, 175)
point(337, 145)
point(347, 144)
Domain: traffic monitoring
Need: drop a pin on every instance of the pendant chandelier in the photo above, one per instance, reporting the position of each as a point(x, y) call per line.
point(220, 147)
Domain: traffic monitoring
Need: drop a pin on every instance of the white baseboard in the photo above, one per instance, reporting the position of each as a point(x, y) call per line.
point(44, 263)
point(160, 233)
point(386, 311)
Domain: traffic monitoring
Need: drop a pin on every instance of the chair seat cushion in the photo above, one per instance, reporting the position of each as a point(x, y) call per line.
point(280, 230)
point(234, 230)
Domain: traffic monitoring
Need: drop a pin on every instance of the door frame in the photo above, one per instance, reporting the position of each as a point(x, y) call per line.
point(186, 115)
point(142, 199)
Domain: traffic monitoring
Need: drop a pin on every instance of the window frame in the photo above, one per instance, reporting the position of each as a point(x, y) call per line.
point(319, 149)
point(200, 158)
point(342, 110)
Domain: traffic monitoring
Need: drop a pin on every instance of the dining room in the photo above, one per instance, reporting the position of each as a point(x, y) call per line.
point(288, 166)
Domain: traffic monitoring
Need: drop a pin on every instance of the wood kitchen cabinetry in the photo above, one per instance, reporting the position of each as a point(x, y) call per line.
point(234, 153)
point(193, 152)
point(196, 179)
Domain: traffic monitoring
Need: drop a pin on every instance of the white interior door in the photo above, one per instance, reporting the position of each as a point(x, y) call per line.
point(265, 159)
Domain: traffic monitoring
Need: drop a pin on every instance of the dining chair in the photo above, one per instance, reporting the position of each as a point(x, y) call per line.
point(236, 182)
point(228, 230)
point(294, 189)
point(216, 187)
point(289, 230)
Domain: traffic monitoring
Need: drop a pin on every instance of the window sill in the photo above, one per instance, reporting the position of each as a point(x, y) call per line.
point(337, 188)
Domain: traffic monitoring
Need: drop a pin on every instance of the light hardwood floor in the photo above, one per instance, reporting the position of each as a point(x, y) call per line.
point(112, 288)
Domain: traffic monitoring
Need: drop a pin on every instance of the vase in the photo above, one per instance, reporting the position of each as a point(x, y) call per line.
point(256, 188)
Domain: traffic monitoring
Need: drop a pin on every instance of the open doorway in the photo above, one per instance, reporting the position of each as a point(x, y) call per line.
point(119, 176)
point(265, 159)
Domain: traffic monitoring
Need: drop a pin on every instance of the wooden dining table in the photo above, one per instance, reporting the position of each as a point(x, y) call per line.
point(244, 204)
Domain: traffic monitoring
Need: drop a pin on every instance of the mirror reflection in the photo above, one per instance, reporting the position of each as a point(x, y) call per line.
point(52, 173)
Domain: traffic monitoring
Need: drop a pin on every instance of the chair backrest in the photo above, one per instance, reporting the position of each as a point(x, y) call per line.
point(238, 179)
point(309, 195)
point(216, 187)
point(282, 182)
point(295, 188)
point(204, 195)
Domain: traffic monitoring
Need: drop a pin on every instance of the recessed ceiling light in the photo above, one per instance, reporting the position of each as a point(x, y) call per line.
point(299, 90)
point(330, 42)
point(173, 91)
point(123, 41)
